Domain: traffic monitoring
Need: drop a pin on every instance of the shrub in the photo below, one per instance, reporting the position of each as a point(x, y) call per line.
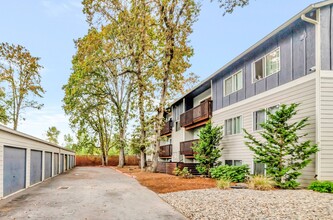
point(261, 183)
point(322, 186)
point(184, 173)
point(233, 173)
point(223, 183)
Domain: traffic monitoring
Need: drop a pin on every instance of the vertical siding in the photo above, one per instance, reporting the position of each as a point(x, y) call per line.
point(326, 125)
point(325, 22)
point(297, 51)
point(303, 93)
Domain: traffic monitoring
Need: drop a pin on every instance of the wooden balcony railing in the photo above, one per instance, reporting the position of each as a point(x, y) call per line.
point(167, 129)
point(165, 151)
point(186, 147)
point(197, 114)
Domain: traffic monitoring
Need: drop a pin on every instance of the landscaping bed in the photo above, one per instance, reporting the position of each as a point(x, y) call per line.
point(252, 204)
point(165, 183)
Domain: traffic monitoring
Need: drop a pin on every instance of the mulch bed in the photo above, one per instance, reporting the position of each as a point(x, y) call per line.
point(165, 183)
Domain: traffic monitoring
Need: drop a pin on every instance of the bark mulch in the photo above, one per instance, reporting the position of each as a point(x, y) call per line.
point(165, 183)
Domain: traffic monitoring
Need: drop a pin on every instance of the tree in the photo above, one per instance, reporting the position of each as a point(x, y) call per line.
point(207, 150)
point(174, 25)
point(52, 135)
point(229, 5)
point(69, 141)
point(19, 70)
point(283, 149)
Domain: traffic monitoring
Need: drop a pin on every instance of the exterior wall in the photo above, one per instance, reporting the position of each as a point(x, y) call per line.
point(18, 141)
point(326, 127)
point(297, 46)
point(326, 26)
point(196, 100)
point(177, 137)
point(300, 91)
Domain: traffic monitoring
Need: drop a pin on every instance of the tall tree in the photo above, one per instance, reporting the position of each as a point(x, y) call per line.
point(174, 23)
point(69, 141)
point(229, 5)
point(52, 135)
point(20, 71)
point(282, 148)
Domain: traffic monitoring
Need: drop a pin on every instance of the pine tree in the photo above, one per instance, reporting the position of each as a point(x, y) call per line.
point(282, 150)
point(207, 150)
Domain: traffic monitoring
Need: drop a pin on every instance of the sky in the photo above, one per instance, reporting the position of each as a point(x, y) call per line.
point(48, 28)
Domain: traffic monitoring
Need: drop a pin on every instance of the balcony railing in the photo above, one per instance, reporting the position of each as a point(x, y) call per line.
point(165, 151)
point(167, 129)
point(186, 147)
point(197, 114)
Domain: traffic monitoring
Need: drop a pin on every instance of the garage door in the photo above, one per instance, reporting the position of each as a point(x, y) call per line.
point(61, 163)
point(48, 165)
point(56, 164)
point(35, 167)
point(14, 169)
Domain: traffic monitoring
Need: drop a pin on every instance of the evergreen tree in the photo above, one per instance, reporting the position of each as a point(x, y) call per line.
point(207, 150)
point(282, 149)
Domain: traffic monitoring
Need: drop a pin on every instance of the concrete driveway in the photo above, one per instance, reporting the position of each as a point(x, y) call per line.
point(87, 193)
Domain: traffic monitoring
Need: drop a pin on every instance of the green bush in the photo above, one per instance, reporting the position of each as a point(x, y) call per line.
point(223, 184)
point(322, 186)
point(234, 173)
point(185, 173)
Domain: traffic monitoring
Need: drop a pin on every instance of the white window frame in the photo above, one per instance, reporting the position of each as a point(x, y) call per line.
point(265, 109)
point(233, 78)
point(254, 80)
point(232, 126)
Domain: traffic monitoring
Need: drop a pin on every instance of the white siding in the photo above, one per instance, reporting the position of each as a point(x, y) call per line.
point(299, 91)
point(326, 127)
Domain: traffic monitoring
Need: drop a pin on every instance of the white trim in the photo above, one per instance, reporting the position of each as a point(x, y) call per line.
point(283, 87)
point(264, 58)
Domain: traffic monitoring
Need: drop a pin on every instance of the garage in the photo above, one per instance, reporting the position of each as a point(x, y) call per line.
point(14, 170)
point(48, 165)
point(56, 164)
point(36, 166)
point(61, 163)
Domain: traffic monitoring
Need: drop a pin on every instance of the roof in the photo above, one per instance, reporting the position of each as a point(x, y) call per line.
point(21, 134)
point(277, 30)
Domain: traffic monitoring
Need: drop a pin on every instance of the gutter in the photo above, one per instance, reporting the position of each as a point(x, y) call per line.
point(290, 21)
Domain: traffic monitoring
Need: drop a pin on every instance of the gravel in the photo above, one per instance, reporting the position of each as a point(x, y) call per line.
point(252, 204)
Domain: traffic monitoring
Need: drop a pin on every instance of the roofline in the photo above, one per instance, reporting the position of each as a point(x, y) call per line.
point(21, 134)
point(284, 25)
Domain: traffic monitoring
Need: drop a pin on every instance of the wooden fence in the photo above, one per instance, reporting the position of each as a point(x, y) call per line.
point(90, 160)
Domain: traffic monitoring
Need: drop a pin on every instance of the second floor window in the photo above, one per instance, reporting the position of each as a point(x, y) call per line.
point(233, 125)
point(233, 83)
point(267, 65)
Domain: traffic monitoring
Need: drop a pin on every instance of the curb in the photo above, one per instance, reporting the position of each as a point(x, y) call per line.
point(126, 174)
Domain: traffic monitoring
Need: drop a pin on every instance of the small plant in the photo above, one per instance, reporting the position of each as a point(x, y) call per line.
point(234, 173)
point(184, 173)
point(261, 183)
point(321, 186)
point(223, 183)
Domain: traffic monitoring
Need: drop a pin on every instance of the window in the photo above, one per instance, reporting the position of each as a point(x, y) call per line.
point(260, 117)
point(259, 169)
point(177, 126)
point(233, 125)
point(233, 162)
point(267, 65)
point(233, 83)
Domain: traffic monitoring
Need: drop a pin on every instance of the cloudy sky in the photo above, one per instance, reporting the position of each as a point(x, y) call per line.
point(47, 29)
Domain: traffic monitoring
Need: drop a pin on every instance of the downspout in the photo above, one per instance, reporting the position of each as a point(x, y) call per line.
point(318, 78)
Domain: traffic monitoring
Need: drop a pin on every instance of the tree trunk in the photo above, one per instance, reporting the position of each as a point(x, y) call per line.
point(143, 162)
point(121, 157)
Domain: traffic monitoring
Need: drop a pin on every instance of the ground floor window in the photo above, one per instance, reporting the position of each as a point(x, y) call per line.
point(233, 162)
point(259, 169)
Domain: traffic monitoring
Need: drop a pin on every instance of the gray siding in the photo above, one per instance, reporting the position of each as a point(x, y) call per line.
point(297, 52)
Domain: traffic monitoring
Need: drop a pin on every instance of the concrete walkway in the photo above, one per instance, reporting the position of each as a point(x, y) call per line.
point(87, 193)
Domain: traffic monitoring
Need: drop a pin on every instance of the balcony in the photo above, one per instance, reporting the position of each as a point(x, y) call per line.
point(197, 116)
point(165, 151)
point(167, 129)
point(186, 148)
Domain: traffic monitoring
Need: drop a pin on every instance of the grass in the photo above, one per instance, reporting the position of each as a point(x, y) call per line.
point(261, 183)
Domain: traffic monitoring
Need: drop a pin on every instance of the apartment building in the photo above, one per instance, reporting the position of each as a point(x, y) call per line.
point(293, 64)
